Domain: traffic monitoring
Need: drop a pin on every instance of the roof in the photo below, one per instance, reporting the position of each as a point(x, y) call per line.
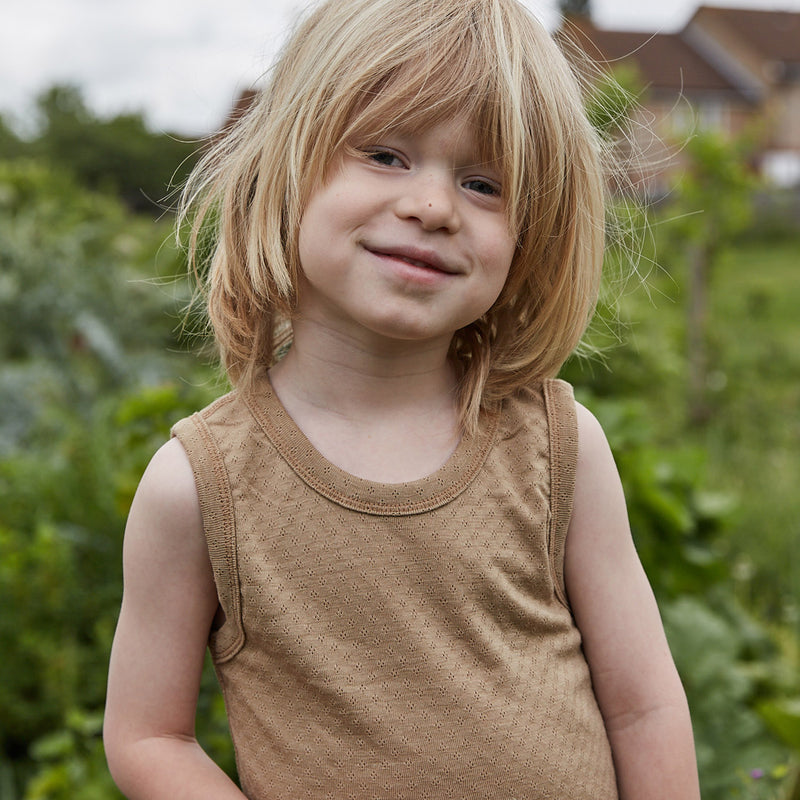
point(772, 35)
point(664, 60)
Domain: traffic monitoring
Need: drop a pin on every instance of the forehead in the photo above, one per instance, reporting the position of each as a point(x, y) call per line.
point(455, 138)
point(462, 123)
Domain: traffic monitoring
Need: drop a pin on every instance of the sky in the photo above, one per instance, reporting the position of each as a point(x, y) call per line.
point(182, 62)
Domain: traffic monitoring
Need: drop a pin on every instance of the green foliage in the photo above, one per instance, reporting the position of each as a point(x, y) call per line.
point(741, 673)
point(40, 581)
point(779, 783)
point(675, 522)
point(86, 339)
point(118, 155)
point(11, 146)
point(729, 661)
point(714, 205)
point(720, 652)
point(715, 201)
point(71, 763)
point(613, 98)
point(783, 717)
point(78, 314)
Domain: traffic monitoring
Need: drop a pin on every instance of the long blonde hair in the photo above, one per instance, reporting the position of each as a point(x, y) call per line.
point(370, 66)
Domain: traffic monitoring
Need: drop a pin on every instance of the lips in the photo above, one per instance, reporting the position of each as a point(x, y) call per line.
point(415, 256)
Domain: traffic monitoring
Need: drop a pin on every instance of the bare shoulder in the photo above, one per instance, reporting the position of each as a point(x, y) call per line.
point(592, 441)
point(597, 482)
point(165, 525)
point(168, 482)
point(167, 494)
point(634, 678)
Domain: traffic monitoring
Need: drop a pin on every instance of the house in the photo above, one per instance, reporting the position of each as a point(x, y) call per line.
point(728, 69)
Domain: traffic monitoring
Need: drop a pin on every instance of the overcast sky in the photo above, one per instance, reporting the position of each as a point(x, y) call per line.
point(182, 62)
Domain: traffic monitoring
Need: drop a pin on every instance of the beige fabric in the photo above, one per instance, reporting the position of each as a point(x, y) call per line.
point(406, 641)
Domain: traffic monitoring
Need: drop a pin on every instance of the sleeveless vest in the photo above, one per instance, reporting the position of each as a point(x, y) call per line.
point(407, 641)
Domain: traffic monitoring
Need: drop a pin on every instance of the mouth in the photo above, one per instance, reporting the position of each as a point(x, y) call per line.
point(416, 257)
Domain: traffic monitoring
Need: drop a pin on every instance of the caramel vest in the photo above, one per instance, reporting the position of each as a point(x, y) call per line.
point(407, 641)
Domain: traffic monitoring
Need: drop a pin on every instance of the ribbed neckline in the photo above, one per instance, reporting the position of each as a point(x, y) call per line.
point(359, 494)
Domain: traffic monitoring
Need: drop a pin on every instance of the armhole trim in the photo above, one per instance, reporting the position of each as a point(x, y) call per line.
point(219, 526)
point(562, 426)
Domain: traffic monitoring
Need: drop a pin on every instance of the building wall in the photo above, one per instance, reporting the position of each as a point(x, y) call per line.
point(784, 111)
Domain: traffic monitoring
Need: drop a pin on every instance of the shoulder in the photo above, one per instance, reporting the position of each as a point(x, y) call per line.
point(165, 516)
point(168, 604)
point(598, 489)
point(543, 405)
point(168, 482)
point(229, 420)
point(570, 426)
point(217, 409)
point(592, 442)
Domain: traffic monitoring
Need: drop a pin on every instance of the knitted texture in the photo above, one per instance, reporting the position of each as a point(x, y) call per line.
point(408, 641)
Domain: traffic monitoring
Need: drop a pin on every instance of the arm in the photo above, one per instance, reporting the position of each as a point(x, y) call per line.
point(168, 606)
point(635, 680)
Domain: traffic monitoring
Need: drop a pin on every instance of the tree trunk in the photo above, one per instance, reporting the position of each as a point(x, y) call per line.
point(700, 256)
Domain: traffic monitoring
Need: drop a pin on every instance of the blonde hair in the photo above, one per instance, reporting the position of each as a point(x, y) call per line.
point(370, 66)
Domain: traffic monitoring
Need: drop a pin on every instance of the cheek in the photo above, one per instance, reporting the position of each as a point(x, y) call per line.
point(314, 231)
point(501, 255)
point(498, 268)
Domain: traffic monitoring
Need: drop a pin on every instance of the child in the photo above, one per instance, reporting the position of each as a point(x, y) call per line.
point(403, 541)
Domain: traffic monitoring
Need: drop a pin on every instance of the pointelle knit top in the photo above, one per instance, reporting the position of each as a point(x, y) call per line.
point(408, 641)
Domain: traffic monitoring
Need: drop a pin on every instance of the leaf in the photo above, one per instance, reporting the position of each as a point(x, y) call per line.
point(783, 718)
point(55, 746)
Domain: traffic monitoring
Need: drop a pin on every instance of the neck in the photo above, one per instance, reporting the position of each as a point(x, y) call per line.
point(361, 380)
point(386, 413)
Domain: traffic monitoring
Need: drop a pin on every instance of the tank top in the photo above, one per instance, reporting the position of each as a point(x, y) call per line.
point(408, 641)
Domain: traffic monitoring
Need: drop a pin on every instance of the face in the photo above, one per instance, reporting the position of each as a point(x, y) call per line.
point(407, 239)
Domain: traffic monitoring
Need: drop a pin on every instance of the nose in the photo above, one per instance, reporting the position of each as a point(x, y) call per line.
point(430, 199)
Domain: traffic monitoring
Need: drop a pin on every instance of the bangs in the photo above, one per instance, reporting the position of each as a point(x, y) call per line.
point(418, 96)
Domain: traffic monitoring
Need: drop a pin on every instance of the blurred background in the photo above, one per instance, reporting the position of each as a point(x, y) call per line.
point(104, 109)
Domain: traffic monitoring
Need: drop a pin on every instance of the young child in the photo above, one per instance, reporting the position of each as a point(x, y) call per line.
point(404, 543)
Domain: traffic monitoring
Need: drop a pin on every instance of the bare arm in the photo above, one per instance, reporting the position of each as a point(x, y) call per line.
point(635, 680)
point(168, 606)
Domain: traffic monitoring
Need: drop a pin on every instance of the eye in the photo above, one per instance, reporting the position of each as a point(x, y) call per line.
point(385, 158)
point(483, 186)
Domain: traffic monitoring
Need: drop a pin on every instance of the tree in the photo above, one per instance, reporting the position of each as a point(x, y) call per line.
point(713, 206)
point(118, 154)
point(11, 146)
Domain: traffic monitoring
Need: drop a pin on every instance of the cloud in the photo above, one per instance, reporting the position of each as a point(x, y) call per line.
point(183, 62)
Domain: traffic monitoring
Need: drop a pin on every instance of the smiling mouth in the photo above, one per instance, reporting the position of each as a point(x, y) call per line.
point(414, 262)
point(425, 261)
